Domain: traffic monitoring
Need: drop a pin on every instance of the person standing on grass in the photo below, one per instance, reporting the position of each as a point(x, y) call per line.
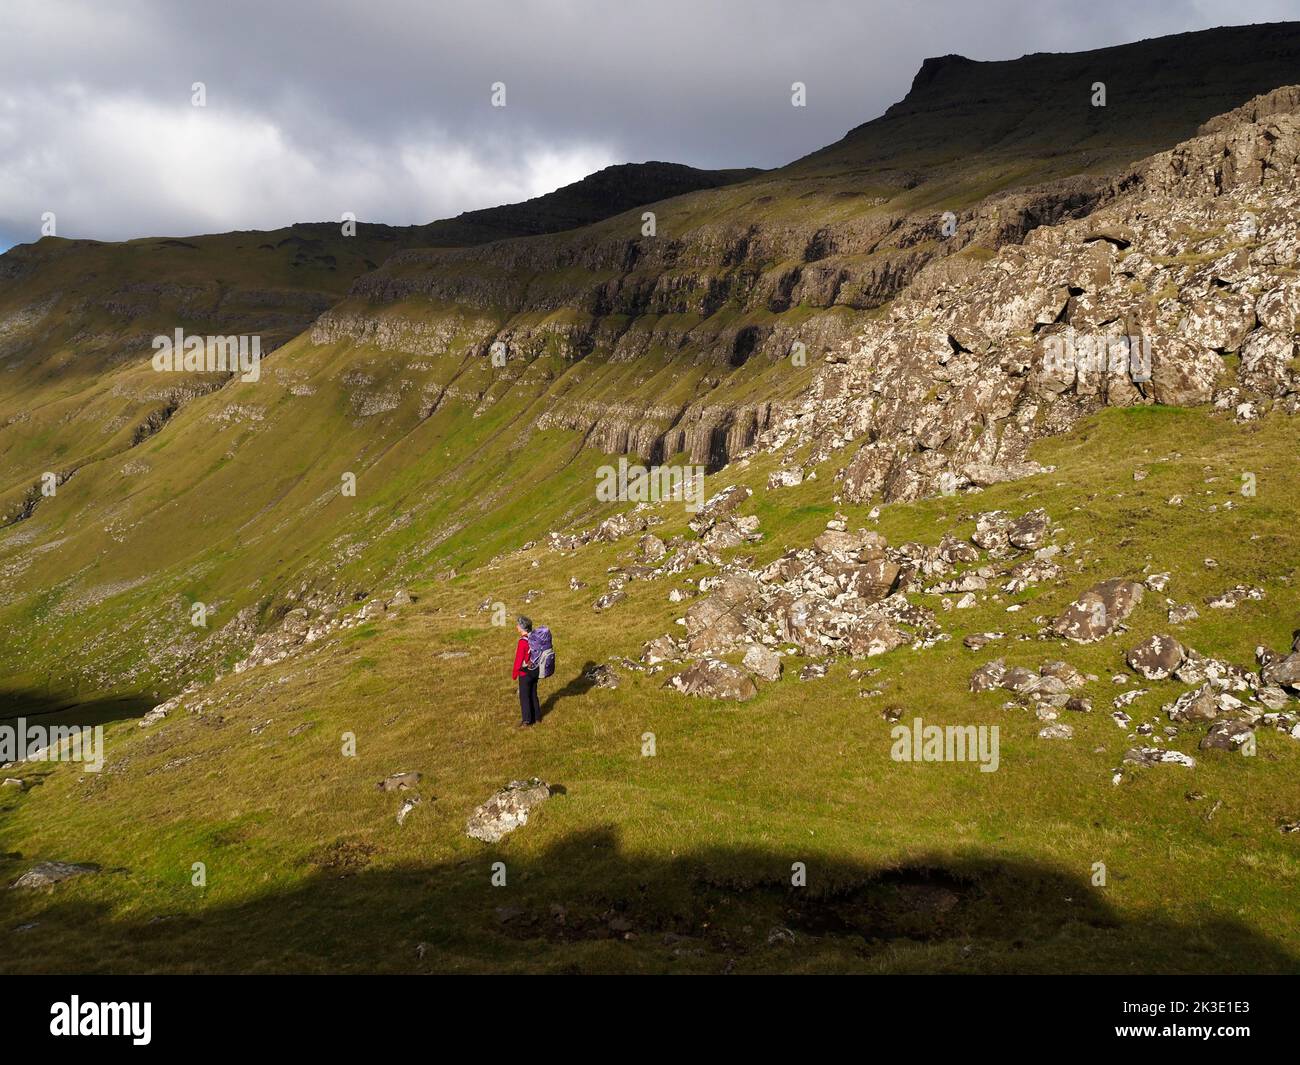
point(526, 672)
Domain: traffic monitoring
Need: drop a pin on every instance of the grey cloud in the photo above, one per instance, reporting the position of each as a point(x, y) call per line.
point(383, 106)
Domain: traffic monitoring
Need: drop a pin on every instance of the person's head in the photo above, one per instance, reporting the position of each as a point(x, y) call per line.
point(525, 625)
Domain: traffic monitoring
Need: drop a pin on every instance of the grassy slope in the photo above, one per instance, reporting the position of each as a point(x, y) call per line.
point(307, 869)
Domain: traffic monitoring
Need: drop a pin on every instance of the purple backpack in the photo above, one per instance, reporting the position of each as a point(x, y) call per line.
point(541, 656)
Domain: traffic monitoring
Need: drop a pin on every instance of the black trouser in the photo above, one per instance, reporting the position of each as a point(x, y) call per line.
point(529, 707)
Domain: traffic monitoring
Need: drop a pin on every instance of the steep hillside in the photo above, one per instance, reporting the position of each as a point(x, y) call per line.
point(78, 317)
point(1033, 473)
point(689, 343)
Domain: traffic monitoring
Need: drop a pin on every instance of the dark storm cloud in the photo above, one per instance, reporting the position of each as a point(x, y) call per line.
point(382, 107)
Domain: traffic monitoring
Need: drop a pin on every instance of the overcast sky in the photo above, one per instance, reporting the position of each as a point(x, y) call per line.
point(383, 107)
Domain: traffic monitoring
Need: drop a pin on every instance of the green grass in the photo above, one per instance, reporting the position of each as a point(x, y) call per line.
point(911, 867)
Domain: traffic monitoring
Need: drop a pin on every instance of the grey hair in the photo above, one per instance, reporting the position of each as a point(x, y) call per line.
point(524, 623)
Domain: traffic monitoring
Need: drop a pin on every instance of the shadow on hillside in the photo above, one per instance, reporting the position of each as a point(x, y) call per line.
point(578, 686)
point(60, 708)
point(585, 905)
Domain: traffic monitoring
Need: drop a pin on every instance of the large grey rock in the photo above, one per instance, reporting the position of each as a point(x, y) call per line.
point(1227, 736)
point(1098, 611)
point(506, 810)
point(608, 600)
point(1028, 532)
point(711, 678)
point(47, 874)
point(1285, 671)
point(1156, 657)
point(989, 676)
point(651, 548)
point(660, 649)
point(763, 662)
point(1200, 704)
point(876, 636)
point(718, 621)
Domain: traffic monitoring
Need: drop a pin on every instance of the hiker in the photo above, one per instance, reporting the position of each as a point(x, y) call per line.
point(534, 659)
point(526, 672)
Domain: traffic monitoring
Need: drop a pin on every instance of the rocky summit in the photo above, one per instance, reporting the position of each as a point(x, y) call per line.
point(970, 437)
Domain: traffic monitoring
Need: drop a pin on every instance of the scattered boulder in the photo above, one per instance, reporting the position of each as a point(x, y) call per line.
point(159, 712)
point(608, 600)
point(1227, 736)
point(1230, 599)
point(399, 781)
point(989, 676)
point(1028, 532)
point(408, 804)
point(1284, 671)
point(651, 548)
point(1156, 657)
point(1056, 731)
point(785, 478)
point(619, 526)
point(813, 671)
point(602, 676)
point(872, 637)
point(1097, 613)
point(1158, 756)
point(1200, 704)
point(712, 678)
point(661, 649)
point(47, 874)
point(763, 662)
point(506, 810)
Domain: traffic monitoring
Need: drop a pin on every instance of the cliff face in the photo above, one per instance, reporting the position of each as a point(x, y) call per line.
point(1181, 290)
point(797, 262)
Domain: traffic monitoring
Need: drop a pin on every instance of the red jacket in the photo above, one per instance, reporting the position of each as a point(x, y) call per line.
point(521, 656)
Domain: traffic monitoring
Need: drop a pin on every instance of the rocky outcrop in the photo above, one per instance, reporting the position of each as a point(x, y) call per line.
point(1189, 258)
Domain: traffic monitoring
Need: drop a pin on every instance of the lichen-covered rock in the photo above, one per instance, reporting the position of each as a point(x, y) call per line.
point(1200, 704)
point(608, 600)
point(1156, 657)
point(601, 676)
point(712, 678)
point(1096, 613)
point(1227, 736)
point(651, 548)
point(1158, 756)
point(47, 874)
point(763, 662)
point(506, 810)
